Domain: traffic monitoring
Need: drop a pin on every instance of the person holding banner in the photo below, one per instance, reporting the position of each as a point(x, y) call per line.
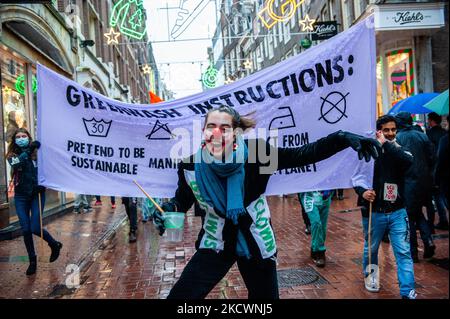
point(228, 179)
point(386, 196)
point(21, 155)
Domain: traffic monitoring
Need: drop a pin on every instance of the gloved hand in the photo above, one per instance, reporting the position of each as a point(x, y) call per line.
point(34, 145)
point(158, 218)
point(366, 147)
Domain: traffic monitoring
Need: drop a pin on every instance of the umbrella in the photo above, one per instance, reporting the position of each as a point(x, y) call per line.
point(439, 104)
point(414, 104)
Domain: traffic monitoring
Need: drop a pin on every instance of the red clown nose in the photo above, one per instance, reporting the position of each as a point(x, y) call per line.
point(217, 133)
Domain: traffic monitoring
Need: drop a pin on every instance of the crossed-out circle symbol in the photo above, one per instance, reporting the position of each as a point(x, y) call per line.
point(210, 77)
point(334, 106)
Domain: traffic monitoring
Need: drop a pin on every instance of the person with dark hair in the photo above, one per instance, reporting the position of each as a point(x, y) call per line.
point(418, 182)
point(435, 133)
point(388, 209)
point(21, 155)
point(228, 179)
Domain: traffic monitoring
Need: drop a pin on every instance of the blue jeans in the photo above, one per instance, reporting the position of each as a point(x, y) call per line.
point(30, 223)
point(397, 225)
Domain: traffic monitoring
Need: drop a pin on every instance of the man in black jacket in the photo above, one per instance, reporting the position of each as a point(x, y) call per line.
point(386, 195)
point(418, 183)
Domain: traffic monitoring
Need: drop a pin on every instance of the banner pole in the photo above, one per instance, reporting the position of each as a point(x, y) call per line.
point(40, 221)
point(149, 197)
point(369, 231)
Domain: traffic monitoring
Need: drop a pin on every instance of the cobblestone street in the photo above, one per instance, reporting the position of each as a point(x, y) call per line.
point(113, 268)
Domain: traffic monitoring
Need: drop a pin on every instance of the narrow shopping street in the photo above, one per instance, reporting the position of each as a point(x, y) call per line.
point(113, 268)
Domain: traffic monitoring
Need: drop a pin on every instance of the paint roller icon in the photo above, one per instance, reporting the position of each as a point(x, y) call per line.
point(186, 16)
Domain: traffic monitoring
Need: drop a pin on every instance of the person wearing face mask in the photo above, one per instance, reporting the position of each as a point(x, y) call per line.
point(228, 178)
point(21, 155)
point(389, 214)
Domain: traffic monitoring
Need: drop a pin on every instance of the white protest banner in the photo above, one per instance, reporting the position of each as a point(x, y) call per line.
point(92, 144)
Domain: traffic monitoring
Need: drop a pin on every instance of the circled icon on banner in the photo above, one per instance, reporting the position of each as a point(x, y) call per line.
point(333, 107)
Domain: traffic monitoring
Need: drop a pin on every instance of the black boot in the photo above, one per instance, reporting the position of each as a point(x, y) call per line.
point(56, 248)
point(32, 267)
point(429, 251)
point(132, 237)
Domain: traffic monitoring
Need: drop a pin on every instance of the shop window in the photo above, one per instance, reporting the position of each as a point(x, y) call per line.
point(400, 75)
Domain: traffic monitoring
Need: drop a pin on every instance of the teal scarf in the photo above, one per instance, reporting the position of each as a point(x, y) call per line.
point(222, 183)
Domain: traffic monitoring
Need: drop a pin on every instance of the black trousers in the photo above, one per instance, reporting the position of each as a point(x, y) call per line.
point(206, 268)
point(131, 210)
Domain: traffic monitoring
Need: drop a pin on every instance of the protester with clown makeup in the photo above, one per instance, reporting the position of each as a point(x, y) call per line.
point(228, 179)
point(21, 155)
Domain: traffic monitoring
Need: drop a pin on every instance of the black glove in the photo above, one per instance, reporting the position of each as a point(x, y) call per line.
point(34, 145)
point(366, 147)
point(158, 218)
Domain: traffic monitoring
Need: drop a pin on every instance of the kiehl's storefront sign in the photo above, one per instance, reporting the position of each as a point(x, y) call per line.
point(324, 30)
point(393, 18)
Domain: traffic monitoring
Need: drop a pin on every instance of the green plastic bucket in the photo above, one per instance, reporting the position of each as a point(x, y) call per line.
point(174, 223)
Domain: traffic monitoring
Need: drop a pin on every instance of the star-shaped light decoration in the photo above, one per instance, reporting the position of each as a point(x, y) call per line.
point(112, 36)
point(247, 64)
point(7, 90)
point(307, 24)
point(229, 80)
point(146, 69)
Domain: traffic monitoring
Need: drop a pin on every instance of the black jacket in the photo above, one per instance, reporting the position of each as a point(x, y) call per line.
point(419, 177)
point(434, 134)
point(255, 184)
point(390, 168)
point(25, 175)
point(442, 169)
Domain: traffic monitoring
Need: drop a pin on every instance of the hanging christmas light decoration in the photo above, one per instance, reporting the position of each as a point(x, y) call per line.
point(307, 24)
point(20, 84)
point(248, 64)
point(229, 80)
point(269, 17)
point(209, 78)
point(129, 17)
point(112, 37)
point(147, 69)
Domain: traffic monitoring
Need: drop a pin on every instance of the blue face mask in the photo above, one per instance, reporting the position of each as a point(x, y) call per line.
point(22, 141)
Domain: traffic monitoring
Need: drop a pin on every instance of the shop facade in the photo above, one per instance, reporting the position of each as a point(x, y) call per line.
point(405, 61)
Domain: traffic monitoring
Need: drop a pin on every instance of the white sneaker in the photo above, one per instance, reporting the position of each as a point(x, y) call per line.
point(412, 295)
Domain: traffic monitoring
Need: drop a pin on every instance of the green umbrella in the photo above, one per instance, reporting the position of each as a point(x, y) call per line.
point(439, 104)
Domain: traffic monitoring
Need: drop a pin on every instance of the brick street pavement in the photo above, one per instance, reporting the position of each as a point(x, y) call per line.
point(82, 235)
point(150, 267)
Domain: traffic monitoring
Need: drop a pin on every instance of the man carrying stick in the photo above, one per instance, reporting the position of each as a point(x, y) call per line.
point(383, 209)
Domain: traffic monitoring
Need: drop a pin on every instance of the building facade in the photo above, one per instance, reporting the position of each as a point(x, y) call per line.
point(412, 40)
point(68, 37)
